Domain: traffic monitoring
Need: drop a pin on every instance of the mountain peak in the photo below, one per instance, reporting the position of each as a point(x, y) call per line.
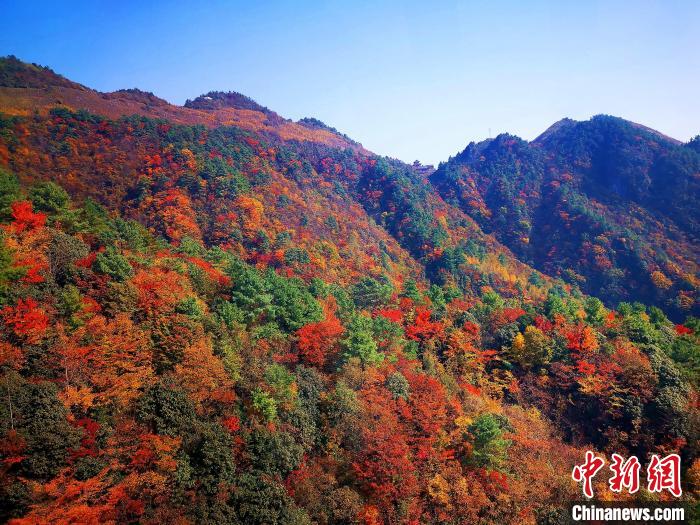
point(558, 126)
point(138, 95)
point(602, 122)
point(227, 99)
point(17, 74)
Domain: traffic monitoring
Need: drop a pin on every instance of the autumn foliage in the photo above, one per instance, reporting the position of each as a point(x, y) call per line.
point(262, 323)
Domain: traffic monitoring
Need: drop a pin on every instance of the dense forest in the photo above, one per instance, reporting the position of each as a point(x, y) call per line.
point(212, 314)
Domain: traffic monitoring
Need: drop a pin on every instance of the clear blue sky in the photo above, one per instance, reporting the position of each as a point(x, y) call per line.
point(407, 79)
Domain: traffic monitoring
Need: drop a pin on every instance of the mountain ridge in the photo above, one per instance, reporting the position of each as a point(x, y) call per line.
point(46, 89)
point(622, 197)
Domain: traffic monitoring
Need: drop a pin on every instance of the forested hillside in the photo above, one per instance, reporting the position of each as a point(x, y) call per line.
point(212, 314)
point(605, 204)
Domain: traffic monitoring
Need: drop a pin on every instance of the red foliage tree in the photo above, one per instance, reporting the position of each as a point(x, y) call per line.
point(318, 341)
point(25, 218)
point(423, 328)
point(27, 320)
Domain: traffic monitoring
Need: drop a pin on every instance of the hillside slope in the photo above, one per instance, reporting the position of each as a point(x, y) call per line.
point(307, 190)
point(607, 204)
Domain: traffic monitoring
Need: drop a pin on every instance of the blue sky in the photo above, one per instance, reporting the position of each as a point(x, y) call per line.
point(411, 80)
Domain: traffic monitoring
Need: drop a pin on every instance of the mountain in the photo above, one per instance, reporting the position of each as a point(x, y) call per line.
point(25, 89)
point(212, 314)
point(607, 204)
point(306, 188)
